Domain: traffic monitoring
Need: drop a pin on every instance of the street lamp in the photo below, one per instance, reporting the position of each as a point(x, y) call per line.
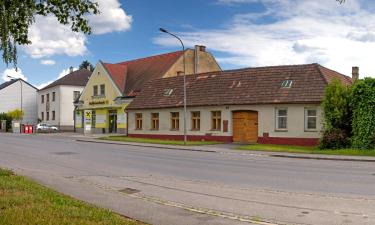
point(183, 50)
point(20, 80)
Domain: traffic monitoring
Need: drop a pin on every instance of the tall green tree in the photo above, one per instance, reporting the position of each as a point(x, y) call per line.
point(16, 16)
point(85, 64)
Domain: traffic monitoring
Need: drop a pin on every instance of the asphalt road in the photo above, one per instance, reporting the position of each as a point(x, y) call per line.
point(163, 186)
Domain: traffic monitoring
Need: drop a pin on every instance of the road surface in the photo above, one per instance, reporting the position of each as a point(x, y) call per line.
point(164, 186)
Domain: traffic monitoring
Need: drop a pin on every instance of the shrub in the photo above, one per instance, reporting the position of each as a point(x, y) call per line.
point(334, 139)
point(363, 104)
point(16, 114)
point(4, 116)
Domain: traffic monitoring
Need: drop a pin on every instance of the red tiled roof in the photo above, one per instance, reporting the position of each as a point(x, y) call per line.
point(130, 76)
point(260, 85)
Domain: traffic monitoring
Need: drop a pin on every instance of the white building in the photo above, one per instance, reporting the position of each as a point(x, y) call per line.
point(18, 94)
point(55, 101)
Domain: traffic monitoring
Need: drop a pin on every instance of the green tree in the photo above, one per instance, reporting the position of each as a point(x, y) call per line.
point(16, 114)
point(337, 116)
point(363, 104)
point(85, 64)
point(16, 16)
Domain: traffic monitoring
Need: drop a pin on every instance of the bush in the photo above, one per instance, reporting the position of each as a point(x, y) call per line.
point(16, 114)
point(4, 116)
point(334, 139)
point(363, 104)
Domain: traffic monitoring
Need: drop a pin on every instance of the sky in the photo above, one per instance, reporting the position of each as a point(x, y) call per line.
point(239, 33)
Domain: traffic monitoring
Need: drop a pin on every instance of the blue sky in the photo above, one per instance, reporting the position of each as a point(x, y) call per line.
point(240, 33)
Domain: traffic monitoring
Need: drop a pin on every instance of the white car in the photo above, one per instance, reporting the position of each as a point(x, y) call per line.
point(42, 127)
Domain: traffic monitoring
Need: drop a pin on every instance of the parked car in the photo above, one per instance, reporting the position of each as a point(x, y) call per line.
point(42, 127)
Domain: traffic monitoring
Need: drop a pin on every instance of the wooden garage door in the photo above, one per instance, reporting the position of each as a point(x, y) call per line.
point(245, 126)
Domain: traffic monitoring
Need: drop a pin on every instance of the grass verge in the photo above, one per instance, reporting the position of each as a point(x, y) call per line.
point(23, 201)
point(306, 150)
point(157, 141)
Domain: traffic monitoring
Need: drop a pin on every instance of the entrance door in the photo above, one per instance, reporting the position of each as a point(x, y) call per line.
point(112, 121)
point(245, 126)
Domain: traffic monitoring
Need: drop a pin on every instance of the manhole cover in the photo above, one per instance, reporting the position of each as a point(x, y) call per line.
point(64, 153)
point(129, 191)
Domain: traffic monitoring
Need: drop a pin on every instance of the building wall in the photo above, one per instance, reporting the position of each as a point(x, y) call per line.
point(266, 123)
point(10, 98)
point(66, 99)
point(206, 63)
point(101, 104)
point(53, 106)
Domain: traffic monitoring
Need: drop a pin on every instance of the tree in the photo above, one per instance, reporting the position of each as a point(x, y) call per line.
point(85, 64)
point(337, 116)
point(16, 16)
point(16, 114)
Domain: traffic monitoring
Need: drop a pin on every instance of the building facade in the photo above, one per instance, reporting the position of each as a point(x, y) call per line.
point(19, 94)
point(275, 105)
point(56, 101)
point(102, 105)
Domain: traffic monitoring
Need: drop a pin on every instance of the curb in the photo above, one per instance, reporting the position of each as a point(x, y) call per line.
point(140, 145)
point(322, 158)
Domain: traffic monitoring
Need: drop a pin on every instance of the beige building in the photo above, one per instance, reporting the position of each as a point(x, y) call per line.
point(276, 105)
point(102, 105)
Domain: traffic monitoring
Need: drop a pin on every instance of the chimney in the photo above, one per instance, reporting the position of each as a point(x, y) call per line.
point(88, 68)
point(71, 69)
point(202, 48)
point(196, 58)
point(355, 73)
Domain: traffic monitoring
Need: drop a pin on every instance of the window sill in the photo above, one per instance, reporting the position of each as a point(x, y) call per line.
point(174, 129)
point(195, 130)
point(311, 130)
point(154, 129)
point(281, 130)
point(138, 129)
point(215, 130)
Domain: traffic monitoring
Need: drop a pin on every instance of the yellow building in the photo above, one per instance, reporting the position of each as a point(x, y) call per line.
point(101, 107)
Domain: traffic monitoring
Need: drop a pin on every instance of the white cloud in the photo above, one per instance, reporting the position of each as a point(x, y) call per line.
point(9, 74)
point(47, 62)
point(111, 18)
point(337, 36)
point(49, 37)
point(63, 73)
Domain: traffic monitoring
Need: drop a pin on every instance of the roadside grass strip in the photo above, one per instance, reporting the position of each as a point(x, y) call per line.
point(157, 141)
point(306, 150)
point(23, 201)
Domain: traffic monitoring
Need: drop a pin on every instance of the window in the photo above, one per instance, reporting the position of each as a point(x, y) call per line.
point(47, 116)
point(47, 97)
point(93, 118)
point(53, 96)
point(76, 95)
point(95, 91)
point(168, 92)
point(195, 120)
point(286, 84)
point(175, 120)
point(42, 116)
point(281, 119)
point(138, 121)
point(310, 119)
point(155, 121)
point(53, 115)
point(42, 100)
point(216, 120)
point(102, 89)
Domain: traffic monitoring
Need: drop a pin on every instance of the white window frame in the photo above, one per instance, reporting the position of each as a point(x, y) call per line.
point(307, 117)
point(277, 127)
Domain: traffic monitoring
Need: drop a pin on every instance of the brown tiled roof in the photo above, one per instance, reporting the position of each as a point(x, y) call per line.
point(261, 85)
point(130, 76)
point(76, 78)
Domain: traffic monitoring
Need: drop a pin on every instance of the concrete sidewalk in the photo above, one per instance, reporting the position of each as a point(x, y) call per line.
point(230, 149)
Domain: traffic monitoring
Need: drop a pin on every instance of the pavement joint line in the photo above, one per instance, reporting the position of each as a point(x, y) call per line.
point(151, 146)
point(210, 212)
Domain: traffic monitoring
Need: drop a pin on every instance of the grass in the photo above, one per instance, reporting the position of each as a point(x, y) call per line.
point(23, 201)
point(307, 150)
point(157, 141)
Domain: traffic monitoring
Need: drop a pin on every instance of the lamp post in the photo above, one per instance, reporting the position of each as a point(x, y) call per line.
point(20, 80)
point(183, 55)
